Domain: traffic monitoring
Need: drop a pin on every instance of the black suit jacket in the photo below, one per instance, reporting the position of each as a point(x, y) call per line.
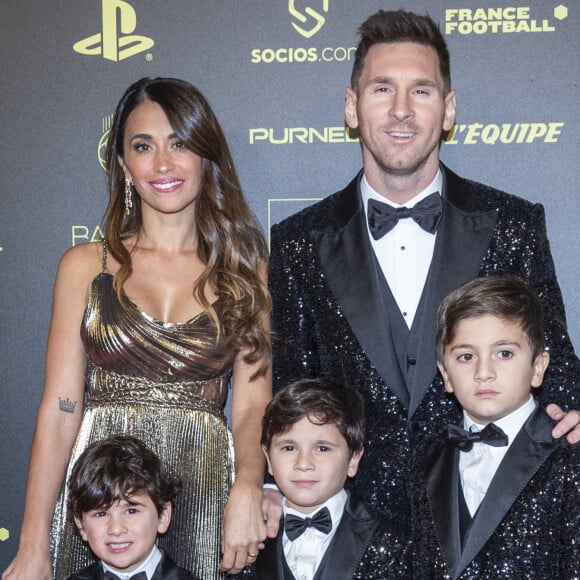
point(167, 569)
point(528, 524)
point(330, 320)
point(367, 544)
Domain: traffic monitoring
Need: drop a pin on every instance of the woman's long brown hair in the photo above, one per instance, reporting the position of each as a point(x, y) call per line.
point(229, 239)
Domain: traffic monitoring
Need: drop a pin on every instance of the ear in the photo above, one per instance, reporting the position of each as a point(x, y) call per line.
point(79, 523)
point(353, 463)
point(443, 371)
point(265, 451)
point(450, 111)
point(540, 365)
point(350, 114)
point(164, 518)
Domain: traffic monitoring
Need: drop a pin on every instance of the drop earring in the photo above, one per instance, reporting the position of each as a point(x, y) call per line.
point(128, 196)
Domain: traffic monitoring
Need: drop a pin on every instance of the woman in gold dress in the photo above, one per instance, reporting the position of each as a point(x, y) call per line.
point(148, 328)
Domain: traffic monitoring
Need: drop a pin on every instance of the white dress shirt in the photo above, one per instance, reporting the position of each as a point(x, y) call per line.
point(405, 253)
point(305, 553)
point(478, 466)
point(149, 566)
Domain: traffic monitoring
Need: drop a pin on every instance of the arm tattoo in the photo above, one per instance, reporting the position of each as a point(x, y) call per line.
point(66, 405)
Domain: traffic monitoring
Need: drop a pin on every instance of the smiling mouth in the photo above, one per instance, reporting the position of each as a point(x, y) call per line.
point(168, 185)
point(120, 547)
point(401, 135)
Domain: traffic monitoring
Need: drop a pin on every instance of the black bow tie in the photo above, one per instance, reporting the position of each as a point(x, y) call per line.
point(383, 217)
point(111, 576)
point(295, 526)
point(491, 435)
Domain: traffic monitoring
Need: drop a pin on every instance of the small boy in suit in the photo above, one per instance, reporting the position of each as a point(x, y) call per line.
point(313, 437)
point(121, 498)
point(496, 497)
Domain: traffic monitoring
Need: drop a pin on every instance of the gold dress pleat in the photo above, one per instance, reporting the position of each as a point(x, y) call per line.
point(166, 384)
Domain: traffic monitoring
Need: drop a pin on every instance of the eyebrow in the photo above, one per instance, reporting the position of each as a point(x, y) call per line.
point(293, 442)
point(513, 343)
point(148, 137)
point(425, 82)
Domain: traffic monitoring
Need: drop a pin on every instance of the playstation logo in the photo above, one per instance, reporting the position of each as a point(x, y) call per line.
point(318, 19)
point(116, 41)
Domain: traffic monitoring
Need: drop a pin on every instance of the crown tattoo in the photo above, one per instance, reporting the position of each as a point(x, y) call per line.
point(66, 405)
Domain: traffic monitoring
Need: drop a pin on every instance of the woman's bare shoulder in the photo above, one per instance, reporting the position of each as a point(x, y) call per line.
point(82, 262)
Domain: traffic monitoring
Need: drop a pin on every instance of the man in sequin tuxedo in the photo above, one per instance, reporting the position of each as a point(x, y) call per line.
point(355, 291)
point(498, 496)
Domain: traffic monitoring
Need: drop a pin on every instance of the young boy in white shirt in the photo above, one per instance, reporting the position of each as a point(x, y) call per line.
point(121, 498)
point(313, 437)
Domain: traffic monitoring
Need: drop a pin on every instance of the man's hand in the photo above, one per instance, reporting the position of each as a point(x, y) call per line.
point(568, 422)
point(272, 510)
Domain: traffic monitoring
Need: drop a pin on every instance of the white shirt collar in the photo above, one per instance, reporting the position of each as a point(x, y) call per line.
point(367, 192)
point(511, 424)
point(148, 566)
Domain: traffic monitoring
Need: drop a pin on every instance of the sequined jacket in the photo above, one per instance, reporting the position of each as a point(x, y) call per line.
point(528, 524)
point(367, 545)
point(329, 318)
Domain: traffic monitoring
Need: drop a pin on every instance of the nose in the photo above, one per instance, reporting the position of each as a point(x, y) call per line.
point(163, 160)
point(304, 461)
point(484, 370)
point(116, 525)
point(401, 106)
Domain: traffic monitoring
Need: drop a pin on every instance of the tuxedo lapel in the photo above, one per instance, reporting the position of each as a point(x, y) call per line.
point(167, 569)
point(92, 572)
point(527, 453)
point(442, 483)
point(349, 265)
point(349, 543)
point(462, 239)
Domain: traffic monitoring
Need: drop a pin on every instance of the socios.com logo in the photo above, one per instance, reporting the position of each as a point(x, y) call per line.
point(310, 23)
point(116, 41)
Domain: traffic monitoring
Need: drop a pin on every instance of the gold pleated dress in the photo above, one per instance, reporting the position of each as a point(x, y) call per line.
point(166, 384)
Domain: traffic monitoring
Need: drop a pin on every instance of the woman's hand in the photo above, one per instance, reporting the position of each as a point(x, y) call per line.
point(29, 564)
point(244, 530)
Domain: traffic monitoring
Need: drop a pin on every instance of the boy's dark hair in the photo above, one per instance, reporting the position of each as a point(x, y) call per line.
point(114, 469)
point(397, 26)
point(322, 402)
point(506, 297)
